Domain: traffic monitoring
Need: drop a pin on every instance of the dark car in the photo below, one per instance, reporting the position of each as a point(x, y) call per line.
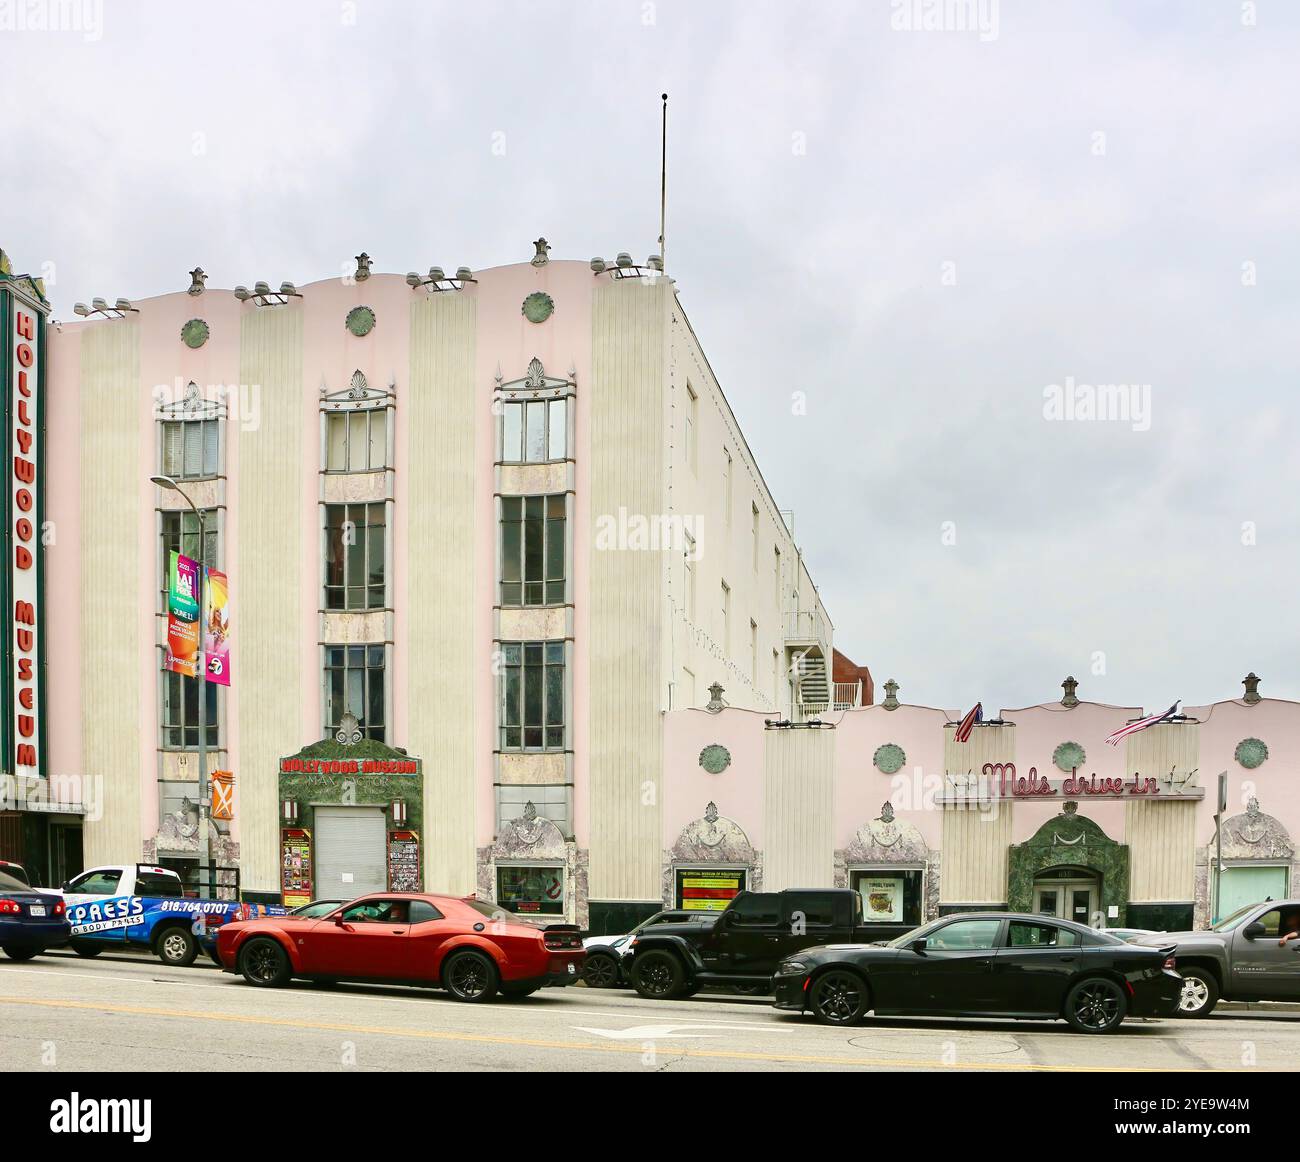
point(30, 920)
point(742, 947)
point(990, 964)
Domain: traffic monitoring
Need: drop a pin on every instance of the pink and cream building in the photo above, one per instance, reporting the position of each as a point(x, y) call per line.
point(483, 531)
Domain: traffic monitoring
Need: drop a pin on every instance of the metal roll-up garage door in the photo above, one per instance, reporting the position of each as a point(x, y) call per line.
point(350, 852)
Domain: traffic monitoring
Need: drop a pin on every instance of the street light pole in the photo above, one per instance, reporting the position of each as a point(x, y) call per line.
point(205, 796)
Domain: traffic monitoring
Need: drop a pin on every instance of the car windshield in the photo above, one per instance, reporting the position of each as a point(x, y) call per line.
point(1228, 923)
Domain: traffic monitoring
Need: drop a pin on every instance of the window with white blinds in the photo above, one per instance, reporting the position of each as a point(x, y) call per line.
point(190, 449)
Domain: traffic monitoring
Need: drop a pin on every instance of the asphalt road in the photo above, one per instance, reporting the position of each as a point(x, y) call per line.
point(126, 1012)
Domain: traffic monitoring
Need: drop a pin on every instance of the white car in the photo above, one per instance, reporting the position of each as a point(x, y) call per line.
point(603, 968)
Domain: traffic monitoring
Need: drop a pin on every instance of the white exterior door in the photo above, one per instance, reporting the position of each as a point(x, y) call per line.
point(351, 844)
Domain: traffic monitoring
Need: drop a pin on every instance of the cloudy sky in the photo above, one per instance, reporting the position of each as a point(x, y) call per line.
point(922, 230)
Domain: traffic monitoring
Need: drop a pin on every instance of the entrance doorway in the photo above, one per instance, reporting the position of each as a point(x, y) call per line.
point(350, 852)
point(1068, 893)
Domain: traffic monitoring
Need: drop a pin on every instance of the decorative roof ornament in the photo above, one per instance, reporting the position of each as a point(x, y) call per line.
point(358, 387)
point(891, 695)
point(530, 812)
point(543, 251)
point(1251, 682)
point(1069, 807)
point(349, 731)
point(716, 703)
point(197, 279)
point(711, 812)
point(887, 812)
point(363, 267)
point(1070, 685)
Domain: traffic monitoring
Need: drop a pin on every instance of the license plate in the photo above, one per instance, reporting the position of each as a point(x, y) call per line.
point(37, 909)
point(573, 969)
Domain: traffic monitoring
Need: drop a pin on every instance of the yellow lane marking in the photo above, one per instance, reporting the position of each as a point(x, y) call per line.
point(581, 1046)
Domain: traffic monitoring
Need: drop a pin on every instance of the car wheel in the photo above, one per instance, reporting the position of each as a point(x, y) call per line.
point(470, 976)
point(86, 950)
point(1200, 992)
point(658, 976)
point(1095, 1006)
point(600, 971)
point(264, 963)
point(839, 998)
point(177, 947)
point(20, 951)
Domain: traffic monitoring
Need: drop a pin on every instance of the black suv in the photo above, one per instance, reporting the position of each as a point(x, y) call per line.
point(756, 932)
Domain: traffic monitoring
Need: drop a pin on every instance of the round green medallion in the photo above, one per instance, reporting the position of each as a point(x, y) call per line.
point(1069, 756)
point(195, 333)
point(889, 758)
point(360, 321)
point(1251, 753)
point(538, 307)
point(715, 758)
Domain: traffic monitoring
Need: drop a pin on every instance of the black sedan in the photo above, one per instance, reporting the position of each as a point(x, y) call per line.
point(30, 920)
point(987, 964)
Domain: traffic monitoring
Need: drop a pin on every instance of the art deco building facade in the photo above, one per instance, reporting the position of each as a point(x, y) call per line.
point(482, 532)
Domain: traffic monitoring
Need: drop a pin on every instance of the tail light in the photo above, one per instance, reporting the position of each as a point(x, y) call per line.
point(59, 909)
point(1170, 965)
point(10, 908)
point(559, 937)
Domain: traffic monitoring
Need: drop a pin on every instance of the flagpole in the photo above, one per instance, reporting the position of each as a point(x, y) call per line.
point(663, 181)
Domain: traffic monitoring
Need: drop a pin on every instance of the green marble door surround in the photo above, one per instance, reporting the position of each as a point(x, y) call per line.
point(359, 790)
point(1070, 840)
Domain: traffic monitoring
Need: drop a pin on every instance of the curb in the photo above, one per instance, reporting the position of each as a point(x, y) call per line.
point(1257, 1007)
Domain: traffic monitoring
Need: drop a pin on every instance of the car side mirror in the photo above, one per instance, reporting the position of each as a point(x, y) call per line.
point(1253, 931)
point(338, 919)
point(64, 886)
point(918, 945)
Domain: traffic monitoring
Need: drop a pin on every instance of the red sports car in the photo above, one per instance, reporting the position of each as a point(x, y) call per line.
point(472, 949)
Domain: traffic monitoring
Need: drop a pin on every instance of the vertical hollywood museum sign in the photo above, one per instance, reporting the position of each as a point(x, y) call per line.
point(26, 326)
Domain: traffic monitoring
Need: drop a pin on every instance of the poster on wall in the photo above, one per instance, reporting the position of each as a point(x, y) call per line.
point(182, 616)
point(295, 866)
point(216, 628)
point(708, 891)
point(403, 861)
point(882, 899)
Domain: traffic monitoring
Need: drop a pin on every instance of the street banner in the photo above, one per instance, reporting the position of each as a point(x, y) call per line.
point(223, 795)
point(182, 616)
point(216, 629)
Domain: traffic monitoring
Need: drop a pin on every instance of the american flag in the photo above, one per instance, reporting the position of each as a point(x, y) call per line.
point(967, 724)
point(1141, 724)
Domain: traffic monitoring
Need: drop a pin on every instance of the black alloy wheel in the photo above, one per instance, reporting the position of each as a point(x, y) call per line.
point(658, 976)
point(838, 997)
point(600, 971)
point(1095, 1006)
point(264, 963)
point(470, 976)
